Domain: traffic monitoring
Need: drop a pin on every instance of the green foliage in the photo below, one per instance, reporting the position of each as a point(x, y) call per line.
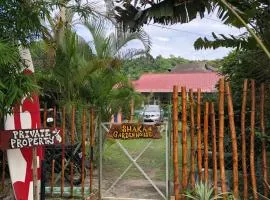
point(14, 85)
point(163, 12)
point(136, 67)
point(203, 191)
point(20, 20)
point(240, 65)
point(254, 13)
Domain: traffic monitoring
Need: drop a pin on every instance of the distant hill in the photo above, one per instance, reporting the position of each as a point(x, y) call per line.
point(136, 67)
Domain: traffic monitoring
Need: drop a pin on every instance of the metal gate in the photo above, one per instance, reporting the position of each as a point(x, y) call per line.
point(134, 169)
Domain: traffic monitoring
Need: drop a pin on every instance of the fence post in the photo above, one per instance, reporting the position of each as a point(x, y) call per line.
point(175, 142)
point(3, 170)
point(92, 142)
point(252, 137)
point(192, 137)
point(53, 161)
point(35, 173)
point(199, 134)
point(184, 139)
point(205, 140)
point(72, 145)
point(214, 147)
point(234, 141)
point(221, 135)
point(264, 156)
point(83, 148)
point(243, 140)
point(63, 150)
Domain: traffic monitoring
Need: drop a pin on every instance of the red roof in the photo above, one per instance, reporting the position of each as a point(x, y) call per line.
point(164, 82)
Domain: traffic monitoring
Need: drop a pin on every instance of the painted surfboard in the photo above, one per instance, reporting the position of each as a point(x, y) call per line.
point(25, 116)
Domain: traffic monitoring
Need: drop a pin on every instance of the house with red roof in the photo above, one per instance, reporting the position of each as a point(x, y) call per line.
point(160, 84)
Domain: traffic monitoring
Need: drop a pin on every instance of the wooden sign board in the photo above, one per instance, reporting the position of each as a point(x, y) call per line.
point(14, 139)
point(126, 131)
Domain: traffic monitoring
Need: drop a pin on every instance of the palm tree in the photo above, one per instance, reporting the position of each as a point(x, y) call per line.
point(112, 45)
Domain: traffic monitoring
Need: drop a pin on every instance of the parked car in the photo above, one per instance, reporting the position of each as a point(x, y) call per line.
point(152, 113)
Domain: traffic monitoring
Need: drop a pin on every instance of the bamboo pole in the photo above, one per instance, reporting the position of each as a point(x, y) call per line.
point(132, 110)
point(252, 137)
point(214, 147)
point(243, 140)
point(54, 117)
point(262, 124)
point(45, 117)
point(199, 134)
point(35, 173)
point(53, 161)
point(234, 141)
point(175, 142)
point(92, 142)
point(221, 135)
point(72, 144)
point(205, 140)
point(184, 139)
point(3, 170)
point(63, 150)
point(192, 137)
point(83, 148)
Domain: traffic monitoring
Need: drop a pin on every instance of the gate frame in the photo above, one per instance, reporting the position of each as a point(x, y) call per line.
point(166, 196)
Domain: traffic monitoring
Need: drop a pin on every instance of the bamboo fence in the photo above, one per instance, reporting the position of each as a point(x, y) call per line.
point(203, 153)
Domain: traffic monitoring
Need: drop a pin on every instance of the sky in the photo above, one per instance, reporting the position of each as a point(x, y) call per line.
point(178, 39)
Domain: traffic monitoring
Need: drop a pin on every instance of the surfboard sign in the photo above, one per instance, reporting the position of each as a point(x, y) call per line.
point(14, 139)
point(26, 115)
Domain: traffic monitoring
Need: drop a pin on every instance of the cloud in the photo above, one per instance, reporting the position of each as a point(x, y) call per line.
point(162, 39)
point(178, 39)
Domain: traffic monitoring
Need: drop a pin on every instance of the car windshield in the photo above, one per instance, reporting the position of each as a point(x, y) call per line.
point(152, 109)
